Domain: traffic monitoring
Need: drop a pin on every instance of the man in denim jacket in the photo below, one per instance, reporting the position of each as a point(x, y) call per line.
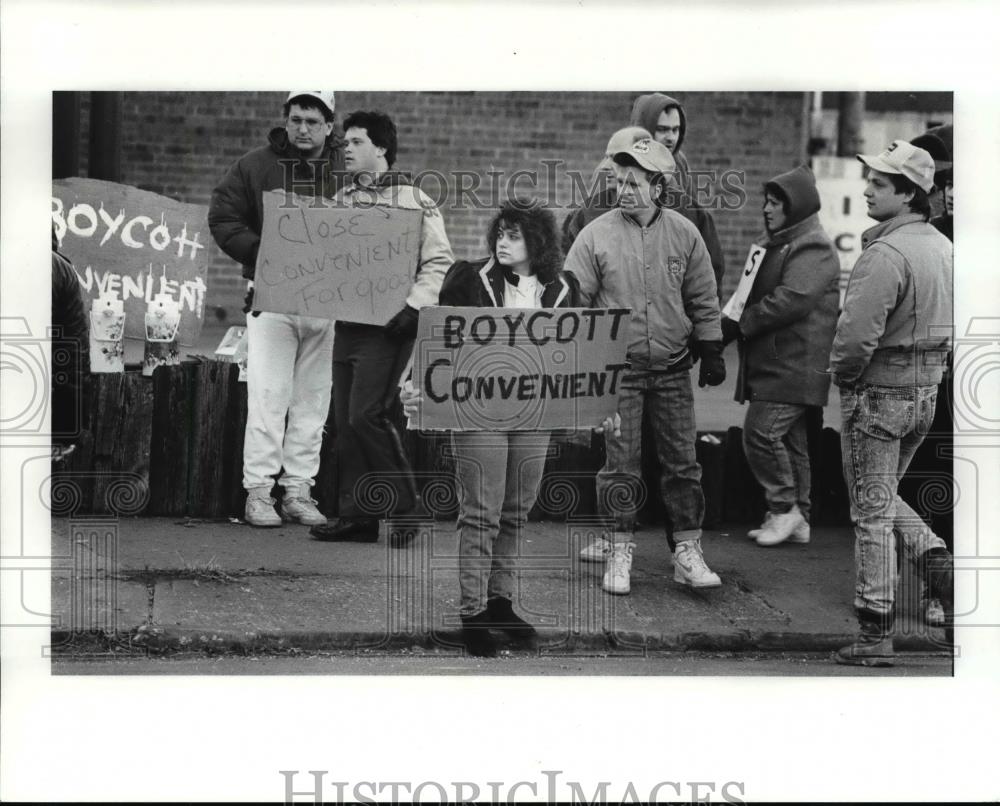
point(888, 356)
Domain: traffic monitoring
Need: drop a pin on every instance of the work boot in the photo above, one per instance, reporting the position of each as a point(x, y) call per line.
point(358, 530)
point(259, 510)
point(618, 568)
point(502, 617)
point(690, 567)
point(780, 527)
point(937, 569)
point(298, 507)
point(597, 551)
point(874, 645)
point(476, 636)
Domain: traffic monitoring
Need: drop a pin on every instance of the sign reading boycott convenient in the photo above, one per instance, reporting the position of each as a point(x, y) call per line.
point(517, 369)
point(132, 245)
point(353, 264)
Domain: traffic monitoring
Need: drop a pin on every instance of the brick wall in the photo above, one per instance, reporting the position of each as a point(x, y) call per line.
point(179, 144)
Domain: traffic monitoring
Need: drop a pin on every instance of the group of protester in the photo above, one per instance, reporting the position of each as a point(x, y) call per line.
point(643, 244)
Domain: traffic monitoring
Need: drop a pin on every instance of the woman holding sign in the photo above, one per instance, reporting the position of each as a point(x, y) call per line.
point(500, 470)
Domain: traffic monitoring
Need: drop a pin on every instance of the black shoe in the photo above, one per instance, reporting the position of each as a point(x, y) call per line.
point(476, 636)
point(358, 530)
point(502, 617)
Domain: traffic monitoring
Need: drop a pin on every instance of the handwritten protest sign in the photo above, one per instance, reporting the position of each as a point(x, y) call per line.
point(516, 369)
point(353, 264)
point(132, 244)
point(738, 301)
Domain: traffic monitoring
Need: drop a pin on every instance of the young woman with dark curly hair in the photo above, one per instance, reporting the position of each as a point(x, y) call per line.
point(500, 471)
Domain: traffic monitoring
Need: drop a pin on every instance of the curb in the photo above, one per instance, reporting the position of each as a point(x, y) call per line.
point(169, 640)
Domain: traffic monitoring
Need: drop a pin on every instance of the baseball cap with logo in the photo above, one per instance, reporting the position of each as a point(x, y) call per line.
point(906, 159)
point(651, 155)
point(620, 141)
point(325, 97)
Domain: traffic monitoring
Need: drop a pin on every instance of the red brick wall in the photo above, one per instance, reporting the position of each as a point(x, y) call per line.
point(180, 144)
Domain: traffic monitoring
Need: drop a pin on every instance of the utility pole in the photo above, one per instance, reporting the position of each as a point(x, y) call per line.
point(851, 113)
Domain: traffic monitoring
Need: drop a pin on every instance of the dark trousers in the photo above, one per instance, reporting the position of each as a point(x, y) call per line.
point(374, 475)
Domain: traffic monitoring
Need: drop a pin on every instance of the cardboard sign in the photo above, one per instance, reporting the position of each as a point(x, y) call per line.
point(843, 214)
point(352, 264)
point(132, 244)
point(738, 301)
point(518, 369)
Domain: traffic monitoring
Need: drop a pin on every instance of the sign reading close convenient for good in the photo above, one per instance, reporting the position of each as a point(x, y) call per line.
point(132, 245)
point(517, 369)
point(318, 258)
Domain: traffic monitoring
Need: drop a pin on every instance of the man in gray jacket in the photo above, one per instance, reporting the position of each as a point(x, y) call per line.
point(889, 353)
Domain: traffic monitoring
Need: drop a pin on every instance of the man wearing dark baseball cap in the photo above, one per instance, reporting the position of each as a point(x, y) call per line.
point(888, 357)
point(653, 260)
point(289, 367)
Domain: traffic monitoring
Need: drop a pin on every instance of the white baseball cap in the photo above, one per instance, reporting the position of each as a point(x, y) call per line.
point(904, 158)
point(651, 155)
point(325, 97)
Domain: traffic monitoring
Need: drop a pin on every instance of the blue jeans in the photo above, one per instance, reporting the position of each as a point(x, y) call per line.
point(774, 440)
point(620, 491)
point(882, 427)
point(499, 473)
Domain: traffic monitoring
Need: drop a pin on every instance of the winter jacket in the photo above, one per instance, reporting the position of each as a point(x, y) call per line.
point(71, 332)
point(895, 328)
point(606, 200)
point(236, 211)
point(661, 271)
point(646, 113)
point(480, 284)
point(435, 258)
point(791, 315)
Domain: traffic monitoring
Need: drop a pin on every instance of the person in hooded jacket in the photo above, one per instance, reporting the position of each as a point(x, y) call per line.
point(71, 333)
point(661, 117)
point(289, 366)
point(785, 333)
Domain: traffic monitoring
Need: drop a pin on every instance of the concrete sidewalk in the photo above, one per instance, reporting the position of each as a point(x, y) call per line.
point(163, 585)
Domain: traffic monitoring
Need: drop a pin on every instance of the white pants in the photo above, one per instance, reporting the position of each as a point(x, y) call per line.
point(289, 373)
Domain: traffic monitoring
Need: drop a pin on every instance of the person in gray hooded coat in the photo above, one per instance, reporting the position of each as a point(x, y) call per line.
point(785, 333)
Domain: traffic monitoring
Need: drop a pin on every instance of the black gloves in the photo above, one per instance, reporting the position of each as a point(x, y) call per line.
point(730, 331)
point(248, 303)
point(403, 325)
point(713, 367)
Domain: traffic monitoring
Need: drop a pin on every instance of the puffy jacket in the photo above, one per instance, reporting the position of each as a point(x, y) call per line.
point(236, 211)
point(791, 315)
point(395, 190)
point(606, 200)
point(895, 328)
point(480, 284)
point(661, 271)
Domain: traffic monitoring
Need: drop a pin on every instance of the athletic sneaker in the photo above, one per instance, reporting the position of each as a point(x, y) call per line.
point(259, 511)
point(297, 506)
point(690, 568)
point(596, 552)
point(618, 569)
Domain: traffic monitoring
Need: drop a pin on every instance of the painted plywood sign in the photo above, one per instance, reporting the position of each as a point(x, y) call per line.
point(352, 264)
point(132, 245)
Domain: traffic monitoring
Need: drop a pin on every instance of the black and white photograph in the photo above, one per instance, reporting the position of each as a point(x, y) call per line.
point(626, 405)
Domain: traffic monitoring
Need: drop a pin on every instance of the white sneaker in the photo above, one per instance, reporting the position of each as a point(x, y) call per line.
point(752, 534)
point(597, 552)
point(690, 568)
point(933, 613)
point(780, 527)
point(298, 507)
point(619, 566)
point(259, 511)
point(801, 533)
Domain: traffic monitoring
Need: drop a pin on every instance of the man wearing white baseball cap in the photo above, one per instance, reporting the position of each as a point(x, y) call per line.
point(888, 357)
point(289, 365)
point(652, 259)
